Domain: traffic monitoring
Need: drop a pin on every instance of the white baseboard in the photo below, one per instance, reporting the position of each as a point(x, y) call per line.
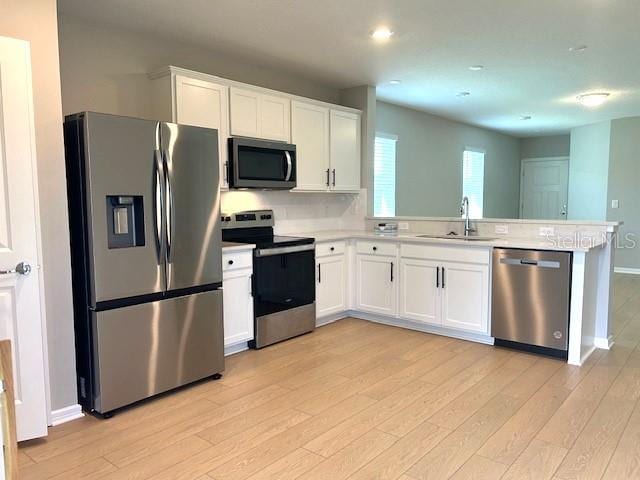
point(629, 271)
point(66, 414)
point(330, 319)
point(603, 343)
point(421, 327)
point(237, 348)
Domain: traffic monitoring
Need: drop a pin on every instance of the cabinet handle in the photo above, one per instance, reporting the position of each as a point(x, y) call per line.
point(375, 248)
point(226, 172)
point(443, 277)
point(332, 248)
point(392, 271)
point(437, 277)
point(230, 262)
point(319, 273)
point(334, 177)
point(327, 177)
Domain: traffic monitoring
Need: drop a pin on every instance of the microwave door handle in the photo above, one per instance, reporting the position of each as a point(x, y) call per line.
point(289, 165)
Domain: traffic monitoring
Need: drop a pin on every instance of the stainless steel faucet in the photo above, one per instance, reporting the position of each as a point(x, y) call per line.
point(464, 210)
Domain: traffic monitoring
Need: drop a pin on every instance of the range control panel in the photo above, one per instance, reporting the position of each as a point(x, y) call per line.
point(248, 219)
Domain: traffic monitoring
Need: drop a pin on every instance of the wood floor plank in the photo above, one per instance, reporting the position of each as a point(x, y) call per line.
point(397, 459)
point(92, 470)
point(350, 459)
point(480, 468)
point(539, 461)
point(289, 467)
point(625, 462)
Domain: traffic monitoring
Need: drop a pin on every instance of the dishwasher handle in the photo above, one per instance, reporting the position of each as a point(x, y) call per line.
point(529, 262)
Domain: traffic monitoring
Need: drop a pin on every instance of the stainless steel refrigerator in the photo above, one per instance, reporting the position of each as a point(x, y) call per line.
point(144, 208)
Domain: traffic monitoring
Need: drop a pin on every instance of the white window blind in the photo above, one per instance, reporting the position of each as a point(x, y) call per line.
point(473, 181)
point(384, 176)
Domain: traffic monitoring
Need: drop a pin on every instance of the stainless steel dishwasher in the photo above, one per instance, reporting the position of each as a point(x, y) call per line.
point(530, 295)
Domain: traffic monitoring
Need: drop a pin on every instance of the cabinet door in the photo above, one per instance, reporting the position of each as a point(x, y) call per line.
point(238, 307)
point(275, 118)
point(245, 112)
point(376, 284)
point(310, 134)
point(419, 292)
point(465, 302)
point(331, 285)
point(205, 104)
point(345, 151)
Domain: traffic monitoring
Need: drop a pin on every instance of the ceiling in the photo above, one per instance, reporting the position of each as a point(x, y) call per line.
point(523, 44)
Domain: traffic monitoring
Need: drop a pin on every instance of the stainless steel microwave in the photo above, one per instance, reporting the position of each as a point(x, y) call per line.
point(261, 164)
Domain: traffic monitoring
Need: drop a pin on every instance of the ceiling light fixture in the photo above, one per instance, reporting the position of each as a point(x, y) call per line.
point(476, 68)
point(381, 34)
point(525, 117)
point(593, 99)
point(577, 48)
point(463, 94)
point(395, 82)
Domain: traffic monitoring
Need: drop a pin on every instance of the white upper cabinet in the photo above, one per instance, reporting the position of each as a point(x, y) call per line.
point(190, 101)
point(310, 134)
point(345, 151)
point(254, 114)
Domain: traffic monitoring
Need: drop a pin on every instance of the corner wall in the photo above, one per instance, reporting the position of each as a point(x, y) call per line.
point(36, 22)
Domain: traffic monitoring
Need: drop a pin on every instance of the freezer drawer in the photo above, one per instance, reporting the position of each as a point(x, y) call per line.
point(530, 297)
point(147, 349)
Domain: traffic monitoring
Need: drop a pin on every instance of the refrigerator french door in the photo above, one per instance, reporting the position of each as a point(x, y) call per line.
point(146, 256)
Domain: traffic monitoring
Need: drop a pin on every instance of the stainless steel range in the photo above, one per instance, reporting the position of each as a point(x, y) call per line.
point(283, 277)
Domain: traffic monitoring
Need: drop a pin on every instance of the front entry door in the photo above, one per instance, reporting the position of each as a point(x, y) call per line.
point(544, 188)
point(20, 295)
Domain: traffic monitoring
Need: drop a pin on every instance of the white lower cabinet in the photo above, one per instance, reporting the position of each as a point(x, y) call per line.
point(376, 284)
point(331, 284)
point(465, 296)
point(419, 292)
point(237, 298)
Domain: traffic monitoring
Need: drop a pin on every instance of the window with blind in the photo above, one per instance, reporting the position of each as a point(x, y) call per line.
point(473, 181)
point(384, 175)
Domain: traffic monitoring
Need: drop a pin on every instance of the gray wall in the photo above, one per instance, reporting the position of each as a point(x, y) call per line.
point(624, 186)
point(548, 146)
point(105, 69)
point(429, 163)
point(35, 21)
point(589, 171)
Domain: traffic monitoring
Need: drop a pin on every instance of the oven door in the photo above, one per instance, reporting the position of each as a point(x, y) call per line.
point(283, 279)
point(261, 164)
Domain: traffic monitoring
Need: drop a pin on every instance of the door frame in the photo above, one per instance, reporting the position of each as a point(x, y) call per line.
point(38, 268)
point(523, 162)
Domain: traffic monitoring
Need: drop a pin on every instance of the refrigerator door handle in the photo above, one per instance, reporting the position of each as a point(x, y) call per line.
point(158, 203)
point(169, 206)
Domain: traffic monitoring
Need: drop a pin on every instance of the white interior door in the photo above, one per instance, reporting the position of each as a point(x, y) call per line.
point(20, 294)
point(544, 188)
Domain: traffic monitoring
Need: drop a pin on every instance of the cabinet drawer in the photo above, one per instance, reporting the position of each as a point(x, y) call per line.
point(376, 248)
point(236, 260)
point(452, 253)
point(330, 248)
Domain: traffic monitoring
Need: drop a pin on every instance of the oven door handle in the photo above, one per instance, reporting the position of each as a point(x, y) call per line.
point(269, 252)
point(289, 165)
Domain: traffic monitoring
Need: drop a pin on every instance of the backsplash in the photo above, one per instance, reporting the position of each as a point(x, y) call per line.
point(299, 212)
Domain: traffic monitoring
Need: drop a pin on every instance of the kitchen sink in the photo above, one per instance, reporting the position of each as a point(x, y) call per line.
point(458, 237)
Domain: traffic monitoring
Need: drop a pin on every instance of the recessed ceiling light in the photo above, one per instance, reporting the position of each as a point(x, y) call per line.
point(525, 117)
point(578, 48)
point(395, 82)
point(593, 99)
point(476, 68)
point(381, 34)
point(463, 94)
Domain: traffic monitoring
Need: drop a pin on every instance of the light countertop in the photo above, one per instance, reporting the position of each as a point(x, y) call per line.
point(560, 243)
point(236, 247)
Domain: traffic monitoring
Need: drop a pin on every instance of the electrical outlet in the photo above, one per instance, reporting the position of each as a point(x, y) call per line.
point(403, 226)
point(615, 203)
point(547, 231)
point(502, 229)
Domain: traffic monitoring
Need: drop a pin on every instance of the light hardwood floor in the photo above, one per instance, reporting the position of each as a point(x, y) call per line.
point(356, 400)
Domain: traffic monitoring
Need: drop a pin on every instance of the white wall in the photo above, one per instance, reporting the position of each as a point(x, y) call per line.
point(35, 21)
point(546, 146)
point(589, 172)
